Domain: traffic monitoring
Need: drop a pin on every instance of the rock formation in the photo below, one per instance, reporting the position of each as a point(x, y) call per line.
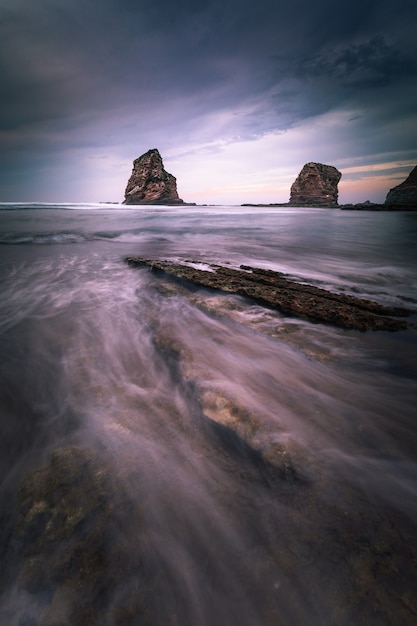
point(405, 194)
point(316, 186)
point(273, 290)
point(71, 558)
point(150, 183)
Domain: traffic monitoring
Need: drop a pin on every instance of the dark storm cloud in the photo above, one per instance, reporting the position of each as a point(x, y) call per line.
point(88, 73)
point(366, 64)
point(61, 56)
point(370, 72)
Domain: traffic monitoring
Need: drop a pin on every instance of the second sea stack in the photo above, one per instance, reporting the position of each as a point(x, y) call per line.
point(316, 186)
point(150, 183)
point(404, 196)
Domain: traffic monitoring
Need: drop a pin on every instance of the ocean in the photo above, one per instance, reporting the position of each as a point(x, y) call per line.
point(172, 455)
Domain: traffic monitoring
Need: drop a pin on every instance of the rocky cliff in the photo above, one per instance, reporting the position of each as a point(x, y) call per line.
point(405, 194)
point(150, 183)
point(316, 186)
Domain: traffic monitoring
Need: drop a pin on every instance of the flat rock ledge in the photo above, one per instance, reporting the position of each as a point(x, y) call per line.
point(273, 290)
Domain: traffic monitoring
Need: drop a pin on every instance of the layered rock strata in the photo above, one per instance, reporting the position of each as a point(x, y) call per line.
point(316, 186)
point(150, 183)
point(273, 290)
point(405, 194)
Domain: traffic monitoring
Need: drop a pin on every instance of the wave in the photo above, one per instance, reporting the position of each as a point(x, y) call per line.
point(21, 206)
point(65, 237)
point(43, 239)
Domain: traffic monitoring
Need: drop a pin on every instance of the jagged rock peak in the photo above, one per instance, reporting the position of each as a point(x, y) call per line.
point(404, 194)
point(150, 183)
point(316, 186)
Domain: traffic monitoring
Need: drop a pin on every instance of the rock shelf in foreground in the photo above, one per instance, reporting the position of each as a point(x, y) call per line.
point(273, 290)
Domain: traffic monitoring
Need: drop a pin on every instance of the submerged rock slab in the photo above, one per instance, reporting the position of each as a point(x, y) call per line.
point(273, 290)
point(316, 186)
point(150, 183)
point(404, 195)
point(73, 560)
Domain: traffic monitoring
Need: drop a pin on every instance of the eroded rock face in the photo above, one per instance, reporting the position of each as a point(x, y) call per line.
point(150, 183)
point(405, 194)
point(316, 185)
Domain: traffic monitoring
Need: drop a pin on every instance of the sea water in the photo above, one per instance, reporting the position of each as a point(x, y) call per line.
point(253, 468)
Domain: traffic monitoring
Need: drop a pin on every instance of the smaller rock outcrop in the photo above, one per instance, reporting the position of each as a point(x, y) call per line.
point(316, 186)
point(404, 195)
point(150, 183)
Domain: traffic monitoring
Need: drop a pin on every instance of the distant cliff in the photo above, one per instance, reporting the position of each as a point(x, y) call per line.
point(316, 186)
point(150, 183)
point(405, 194)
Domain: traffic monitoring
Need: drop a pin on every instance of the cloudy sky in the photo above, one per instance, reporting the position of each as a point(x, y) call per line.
point(236, 94)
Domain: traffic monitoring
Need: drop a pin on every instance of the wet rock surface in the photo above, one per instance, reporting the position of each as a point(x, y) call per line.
point(69, 549)
point(315, 186)
point(273, 290)
point(87, 558)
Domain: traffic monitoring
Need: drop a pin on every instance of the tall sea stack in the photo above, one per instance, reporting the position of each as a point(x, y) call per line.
point(404, 196)
point(316, 186)
point(150, 183)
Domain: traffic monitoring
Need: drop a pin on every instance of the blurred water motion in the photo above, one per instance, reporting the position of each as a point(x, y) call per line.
point(178, 456)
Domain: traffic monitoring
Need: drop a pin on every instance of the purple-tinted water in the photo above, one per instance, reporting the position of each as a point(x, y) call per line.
point(268, 465)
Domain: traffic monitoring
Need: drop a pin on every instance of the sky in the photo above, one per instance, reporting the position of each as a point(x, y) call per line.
point(237, 96)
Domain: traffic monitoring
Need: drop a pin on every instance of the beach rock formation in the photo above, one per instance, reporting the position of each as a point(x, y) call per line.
point(271, 289)
point(71, 556)
point(316, 186)
point(405, 194)
point(150, 183)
